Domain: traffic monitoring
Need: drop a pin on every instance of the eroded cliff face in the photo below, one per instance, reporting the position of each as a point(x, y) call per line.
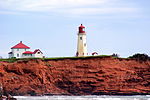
point(89, 76)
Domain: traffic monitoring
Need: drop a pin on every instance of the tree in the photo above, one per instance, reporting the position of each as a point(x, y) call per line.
point(140, 57)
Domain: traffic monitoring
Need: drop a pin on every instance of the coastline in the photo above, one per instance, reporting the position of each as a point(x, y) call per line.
point(99, 75)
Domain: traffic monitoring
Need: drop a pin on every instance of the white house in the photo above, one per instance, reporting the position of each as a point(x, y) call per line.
point(22, 51)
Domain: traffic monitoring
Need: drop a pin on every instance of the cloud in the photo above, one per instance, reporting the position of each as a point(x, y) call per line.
point(47, 4)
point(73, 7)
point(92, 11)
point(11, 13)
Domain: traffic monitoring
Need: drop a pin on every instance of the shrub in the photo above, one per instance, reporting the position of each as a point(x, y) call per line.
point(140, 57)
point(115, 55)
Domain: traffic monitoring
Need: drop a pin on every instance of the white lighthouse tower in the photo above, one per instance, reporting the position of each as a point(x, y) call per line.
point(81, 46)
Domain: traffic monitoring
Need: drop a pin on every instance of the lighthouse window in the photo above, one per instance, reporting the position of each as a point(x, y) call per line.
point(80, 38)
point(17, 55)
point(83, 29)
point(84, 44)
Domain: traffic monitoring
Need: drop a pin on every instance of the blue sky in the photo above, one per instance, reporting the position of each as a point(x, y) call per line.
point(112, 26)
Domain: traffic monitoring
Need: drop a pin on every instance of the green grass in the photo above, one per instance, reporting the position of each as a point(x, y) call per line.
point(11, 60)
point(57, 58)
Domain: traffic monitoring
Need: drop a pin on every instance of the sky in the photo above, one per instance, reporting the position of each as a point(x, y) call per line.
point(112, 26)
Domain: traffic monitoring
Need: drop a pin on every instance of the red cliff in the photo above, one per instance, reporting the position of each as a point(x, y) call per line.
point(80, 76)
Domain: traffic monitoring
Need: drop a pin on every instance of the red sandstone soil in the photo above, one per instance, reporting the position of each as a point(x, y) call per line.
point(91, 76)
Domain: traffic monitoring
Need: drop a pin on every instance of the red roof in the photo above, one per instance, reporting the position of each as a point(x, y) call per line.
point(81, 29)
point(20, 46)
point(28, 52)
point(37, 51)
point(81, 26)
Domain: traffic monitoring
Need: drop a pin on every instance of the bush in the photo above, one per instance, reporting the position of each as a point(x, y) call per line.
point(115, 55)
point(140, 57)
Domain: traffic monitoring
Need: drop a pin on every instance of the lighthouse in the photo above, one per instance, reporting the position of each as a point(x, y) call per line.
point(81, 45)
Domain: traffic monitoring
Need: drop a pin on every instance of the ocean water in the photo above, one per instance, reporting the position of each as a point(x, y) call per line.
point(83, 97)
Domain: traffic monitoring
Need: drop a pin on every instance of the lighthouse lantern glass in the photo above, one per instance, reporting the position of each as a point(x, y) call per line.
point(83, 29)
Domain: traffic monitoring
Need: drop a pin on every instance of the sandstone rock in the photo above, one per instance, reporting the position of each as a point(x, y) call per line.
point(89, 76)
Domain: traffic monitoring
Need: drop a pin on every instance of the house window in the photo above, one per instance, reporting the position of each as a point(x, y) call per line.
point(17, 55)
point(84, 44)
point(17, 49)
point(25, 49)
point(80, 38)
point(38, 52)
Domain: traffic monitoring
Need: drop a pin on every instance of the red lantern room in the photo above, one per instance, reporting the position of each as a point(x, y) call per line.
point(81, 29)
